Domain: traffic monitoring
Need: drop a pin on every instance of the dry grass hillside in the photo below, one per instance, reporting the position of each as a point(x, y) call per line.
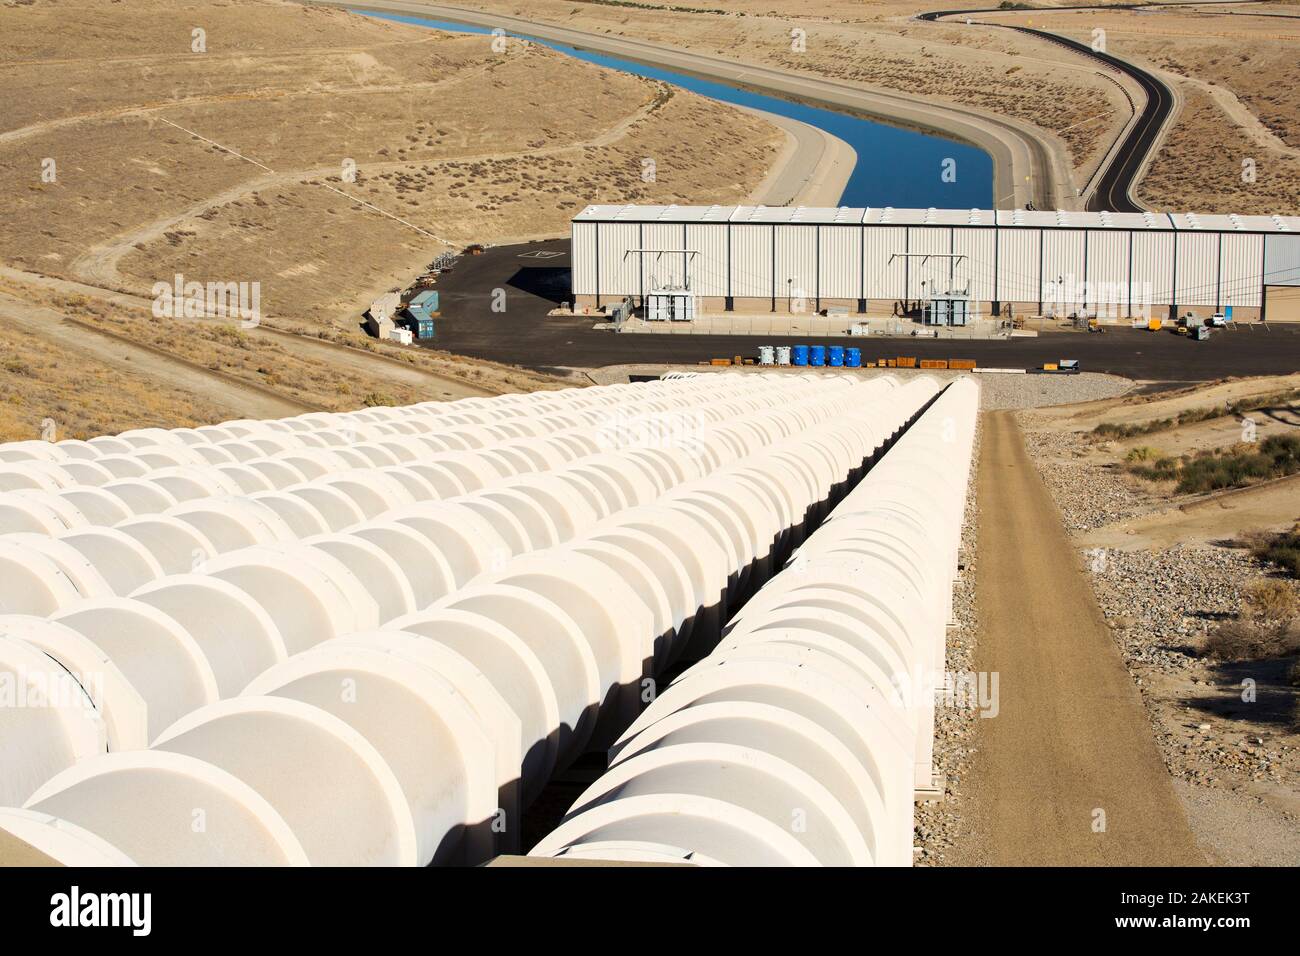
point(461, 142)
point(875, 45)
point(324, 155)
point(1235, 71)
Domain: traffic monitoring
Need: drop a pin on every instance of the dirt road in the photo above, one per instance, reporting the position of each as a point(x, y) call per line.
point(168, 372)
point(1067, 773)
point(302, 346)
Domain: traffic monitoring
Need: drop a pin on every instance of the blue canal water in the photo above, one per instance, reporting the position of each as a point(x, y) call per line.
point(896, 167)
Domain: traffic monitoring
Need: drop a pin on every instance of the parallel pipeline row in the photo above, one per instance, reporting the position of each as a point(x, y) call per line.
point(371, 638)
point(802, 738)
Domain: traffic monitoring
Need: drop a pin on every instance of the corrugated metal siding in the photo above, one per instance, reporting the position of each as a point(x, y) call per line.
point(977, 268)
point(1241, 257)
point(1282, 260)
point(751, 260)
point(840, 262)
point(662, 269)
point(1153, 262)
point(926, 240)
point(583, 257)
point(850, 255)
point(619, 273)
point(884, 280)
point(1198, 268)
point(1108, 272)
point(796, 262)
point(708, 270)
point(1063, 255)
point(1018, 265)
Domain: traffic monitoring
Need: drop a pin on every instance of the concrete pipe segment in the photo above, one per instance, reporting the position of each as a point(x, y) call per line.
point(500, 579)
point(801, 739)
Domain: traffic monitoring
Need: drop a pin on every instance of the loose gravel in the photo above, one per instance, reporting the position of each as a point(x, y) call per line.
point(1001, 390)
point(938, 824)
point(1237, 761)
point(1088, 495)
point(1161, 604)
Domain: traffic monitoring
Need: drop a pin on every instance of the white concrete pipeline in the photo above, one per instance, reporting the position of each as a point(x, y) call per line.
point(341, 491)
point(611, 652)
point(801, 738)
point(48, 719)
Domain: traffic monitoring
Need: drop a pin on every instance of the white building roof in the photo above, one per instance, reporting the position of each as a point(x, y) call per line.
point(887, 215)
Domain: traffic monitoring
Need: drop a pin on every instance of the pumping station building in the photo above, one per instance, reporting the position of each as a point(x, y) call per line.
point(948, 265)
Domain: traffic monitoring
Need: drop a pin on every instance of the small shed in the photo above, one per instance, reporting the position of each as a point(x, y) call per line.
point(423, 305)
point(422, 309)
point(379, 317)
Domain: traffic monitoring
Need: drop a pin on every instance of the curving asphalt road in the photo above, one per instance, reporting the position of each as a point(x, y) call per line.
point(1114, 190)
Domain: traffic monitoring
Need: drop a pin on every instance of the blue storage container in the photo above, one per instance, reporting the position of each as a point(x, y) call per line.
point(836, 356)
point(817, 355)
point(799, 355)
point(853, 358)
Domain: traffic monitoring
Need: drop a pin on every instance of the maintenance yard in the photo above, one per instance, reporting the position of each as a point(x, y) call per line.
point(535, 277)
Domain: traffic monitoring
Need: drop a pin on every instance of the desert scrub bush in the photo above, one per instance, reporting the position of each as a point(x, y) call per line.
point(230, 335)
point(1162, 469)
point(1265, 627)
point(1191, 416)
point(1275, 457)
point(1282, 550)
point(1143, 453)
point(1119, 430)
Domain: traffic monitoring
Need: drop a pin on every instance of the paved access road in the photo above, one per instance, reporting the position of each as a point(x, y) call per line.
point(534, 278)
point(1068, 771)
point(1114, 189)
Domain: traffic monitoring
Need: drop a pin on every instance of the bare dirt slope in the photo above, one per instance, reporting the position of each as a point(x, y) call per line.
point(1211, 520)
point(1071, 737)
point(324, 154)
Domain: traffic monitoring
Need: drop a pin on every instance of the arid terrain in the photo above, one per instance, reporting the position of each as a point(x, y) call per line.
point(1232, 71)
point(1076, 109)
point(1191, 605)
point(326, 156)
point(1234, 143)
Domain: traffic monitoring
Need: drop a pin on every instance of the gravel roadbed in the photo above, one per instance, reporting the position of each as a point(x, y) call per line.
point(938, 824)
point(1236, 761)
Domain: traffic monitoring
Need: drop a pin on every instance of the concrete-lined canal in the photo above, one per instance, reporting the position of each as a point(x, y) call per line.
point(895, 167)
